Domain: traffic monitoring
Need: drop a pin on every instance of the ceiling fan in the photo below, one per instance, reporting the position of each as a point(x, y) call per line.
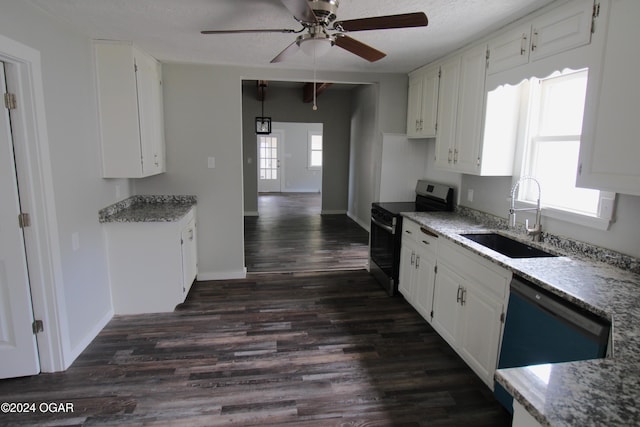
point(318, 17)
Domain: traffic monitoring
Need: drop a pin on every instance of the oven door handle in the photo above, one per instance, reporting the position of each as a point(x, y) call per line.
point(388, 228)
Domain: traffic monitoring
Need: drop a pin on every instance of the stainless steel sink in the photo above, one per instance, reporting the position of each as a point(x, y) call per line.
point(507, 246)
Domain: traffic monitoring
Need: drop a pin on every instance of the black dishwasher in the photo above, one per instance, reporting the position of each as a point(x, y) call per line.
point(543, 328)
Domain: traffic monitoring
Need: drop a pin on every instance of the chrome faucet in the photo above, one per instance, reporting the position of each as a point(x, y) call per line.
point(536, 231)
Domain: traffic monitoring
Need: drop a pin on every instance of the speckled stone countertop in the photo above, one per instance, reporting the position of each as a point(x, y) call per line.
point(603, 392)
point(148, 209)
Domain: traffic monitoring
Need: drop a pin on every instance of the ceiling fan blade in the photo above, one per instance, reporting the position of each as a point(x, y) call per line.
point(359, 48)
point(266, 30)
point(301, 10)
point(406, 20)
point(286, 53)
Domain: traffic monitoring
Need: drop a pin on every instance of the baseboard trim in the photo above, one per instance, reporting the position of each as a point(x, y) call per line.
point(222, 275)
point(361, 223)
point(82, 345)
point(333, 212)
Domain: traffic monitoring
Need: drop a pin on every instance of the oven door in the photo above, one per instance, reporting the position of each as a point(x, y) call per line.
point(383, 254)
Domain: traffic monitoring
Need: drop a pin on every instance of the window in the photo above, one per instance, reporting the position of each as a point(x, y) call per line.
point(552, 146)
point(315, 150)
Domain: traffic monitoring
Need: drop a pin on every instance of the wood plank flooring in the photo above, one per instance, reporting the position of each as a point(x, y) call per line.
point(297, 349)
point(291, 235)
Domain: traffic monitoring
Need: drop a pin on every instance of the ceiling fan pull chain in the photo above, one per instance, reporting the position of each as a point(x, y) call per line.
point(315, 107)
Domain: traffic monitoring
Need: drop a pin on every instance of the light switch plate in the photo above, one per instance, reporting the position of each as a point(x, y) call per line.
point(211, 162)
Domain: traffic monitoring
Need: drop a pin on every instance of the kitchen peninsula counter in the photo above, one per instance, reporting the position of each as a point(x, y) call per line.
point(603, 392)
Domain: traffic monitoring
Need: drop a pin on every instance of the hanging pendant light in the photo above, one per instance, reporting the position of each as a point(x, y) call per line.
point(263, 124)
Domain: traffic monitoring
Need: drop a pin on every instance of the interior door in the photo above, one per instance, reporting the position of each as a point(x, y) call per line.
point(269, 162)
point(18, 347)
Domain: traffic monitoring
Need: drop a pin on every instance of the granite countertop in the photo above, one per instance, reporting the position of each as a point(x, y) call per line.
point(148, 209)
point(604, 392)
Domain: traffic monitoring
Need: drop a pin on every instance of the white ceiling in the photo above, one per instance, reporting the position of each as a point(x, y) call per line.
point(170, 29)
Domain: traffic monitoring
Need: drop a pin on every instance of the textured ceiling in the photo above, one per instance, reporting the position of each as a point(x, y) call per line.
point(170, 29)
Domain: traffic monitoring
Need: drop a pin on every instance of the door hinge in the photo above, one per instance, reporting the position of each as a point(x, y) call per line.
point(501, 317)
point(37, 326)
point(594, 16)
point(432, 314)
point(435, 269)
point(24, 220)
point(10, 101)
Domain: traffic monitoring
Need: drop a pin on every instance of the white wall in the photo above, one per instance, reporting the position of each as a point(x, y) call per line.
point(365, 152)
point(79, 191)
point(295, 158)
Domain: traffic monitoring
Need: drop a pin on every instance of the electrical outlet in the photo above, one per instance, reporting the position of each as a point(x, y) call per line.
point(470, 195)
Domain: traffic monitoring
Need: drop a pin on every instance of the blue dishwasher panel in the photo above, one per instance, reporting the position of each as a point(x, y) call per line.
point(542, 328)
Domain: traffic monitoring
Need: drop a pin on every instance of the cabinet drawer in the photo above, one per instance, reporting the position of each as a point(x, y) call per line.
point(476, 269)
point(421, 235)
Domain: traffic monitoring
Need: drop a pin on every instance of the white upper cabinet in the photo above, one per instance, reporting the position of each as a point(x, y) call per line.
point(130, 106)
point(422, 109)
point(565, 27)
point(474, 136)
point(609, 149)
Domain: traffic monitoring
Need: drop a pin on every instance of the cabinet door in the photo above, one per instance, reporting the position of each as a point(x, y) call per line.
point(407, 269)
point(150, 114)
point(189, 256)
point(429, 116)
point(466, 157)
point(609, 150)
point(447, 111)
point(480, 331)
point(425, 280)
point(414, 108)
point(563, 28)
point(446, 308)
point(509, 50)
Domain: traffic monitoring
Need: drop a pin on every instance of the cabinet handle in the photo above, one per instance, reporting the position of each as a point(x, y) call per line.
point(413, 258)
point(534, 41)
point(191, 234)
point(418, 261)
point(458, 295)
point(426, 243)
point(417, 125)
point(407, 231)
point(421, 124)
point(463, 300)
point(455, 156)
point(428, 233)
point(523, 45)
point(449, 158)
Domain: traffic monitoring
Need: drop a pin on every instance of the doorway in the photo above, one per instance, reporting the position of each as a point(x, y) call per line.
point(269, 162)
point(18, 347)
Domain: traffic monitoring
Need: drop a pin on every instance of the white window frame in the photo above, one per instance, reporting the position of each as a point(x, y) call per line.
point(604, 217)
point(310, 135)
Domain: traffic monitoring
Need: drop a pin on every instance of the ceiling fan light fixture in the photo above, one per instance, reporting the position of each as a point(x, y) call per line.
point(315, 45)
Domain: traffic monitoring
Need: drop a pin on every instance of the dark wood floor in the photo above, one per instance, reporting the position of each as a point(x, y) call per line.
point(291, 235)
point(299, 349)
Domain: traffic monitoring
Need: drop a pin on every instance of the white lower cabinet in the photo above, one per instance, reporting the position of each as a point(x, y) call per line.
point(469, 303)
point(522, 418)
point(152, 265)
point(462, 295)
point(417, 267)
